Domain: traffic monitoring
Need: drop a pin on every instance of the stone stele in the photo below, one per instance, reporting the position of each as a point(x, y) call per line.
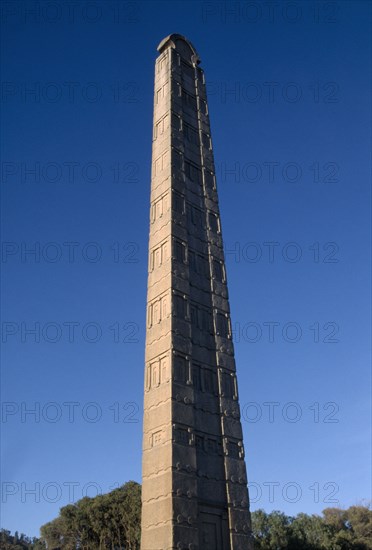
point(194, 492)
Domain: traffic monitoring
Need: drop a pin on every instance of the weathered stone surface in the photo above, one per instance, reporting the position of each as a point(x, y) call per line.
point(194, 477)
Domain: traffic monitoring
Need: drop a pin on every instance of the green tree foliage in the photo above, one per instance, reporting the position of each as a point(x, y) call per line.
point(19, 541)
point(113, 522)
point(338, 529)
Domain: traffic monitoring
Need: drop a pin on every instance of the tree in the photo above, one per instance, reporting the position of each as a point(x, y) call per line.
point(103, 522)
point(338, 529)
point(113, 521)
point(310, 533)
point(19, 542)
point(359, 520)
point(271, 531)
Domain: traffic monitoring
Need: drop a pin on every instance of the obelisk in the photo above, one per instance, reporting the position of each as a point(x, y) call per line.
point(194, 491)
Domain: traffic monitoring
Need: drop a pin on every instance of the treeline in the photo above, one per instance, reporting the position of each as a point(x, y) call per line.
point(105, 522)
point(336, 529)
point(19, 541)
point(112, 522)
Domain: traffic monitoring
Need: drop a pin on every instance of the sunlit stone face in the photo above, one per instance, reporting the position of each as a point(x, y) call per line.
point(194, 492)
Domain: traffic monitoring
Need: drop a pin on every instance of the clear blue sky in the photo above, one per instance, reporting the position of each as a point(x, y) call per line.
point(289, 99)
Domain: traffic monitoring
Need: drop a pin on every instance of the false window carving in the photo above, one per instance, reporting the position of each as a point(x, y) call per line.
point(159, 207)
point(189, 100)
point(156, 438)
point(207, 141)
point(181, 368)
point(182, 436)
point(158, 310)
point(187, 70)
point(161, 163)
point(209, 179)
point(177, 159)
point(179, 251)
point(176, 122)
point(161, 126)
point(191, 135)
point(193, 173)
point(162, 63)
point(180, 306)
point(228, 385)
point(157, 372)
point(222, 325)
point(161, 93)
point(233, 449)
point(218, 271)
point(159, 255)
point(178, 203)
point(213, 222)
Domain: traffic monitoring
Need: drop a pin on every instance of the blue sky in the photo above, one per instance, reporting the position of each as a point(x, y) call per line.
point(289, 100)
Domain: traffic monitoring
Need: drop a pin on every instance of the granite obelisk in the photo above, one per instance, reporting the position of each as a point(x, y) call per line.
point(194, 490)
